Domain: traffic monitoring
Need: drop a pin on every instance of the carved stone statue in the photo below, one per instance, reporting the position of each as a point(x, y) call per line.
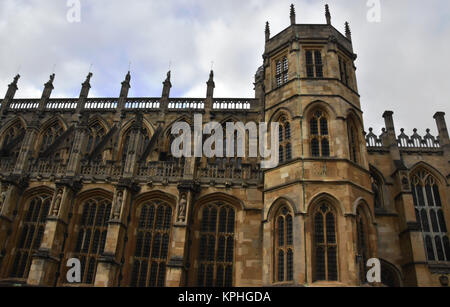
point(182, 208)
point(118, 205)
point(57, 203)
point(2, 199)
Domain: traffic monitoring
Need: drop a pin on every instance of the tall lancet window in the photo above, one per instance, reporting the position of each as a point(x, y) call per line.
point(325, 260)
point(320, 142)
point(284, 135)
point(31, 235)
point(91, 237)
point(362, 243)
point(284, 246)
point(216, 250)
point(429, 213)
point(152, 245)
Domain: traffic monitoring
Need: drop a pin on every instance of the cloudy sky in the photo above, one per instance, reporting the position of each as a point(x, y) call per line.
point(402, 63)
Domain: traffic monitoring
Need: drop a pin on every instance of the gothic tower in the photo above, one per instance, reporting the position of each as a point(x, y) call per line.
point(320, 194)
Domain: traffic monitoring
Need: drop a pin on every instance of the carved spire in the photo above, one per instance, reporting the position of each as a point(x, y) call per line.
point(12, 88)
point(125, 86)
point(210, 85)
point(327, 14)
point(267, 31)
point(16, 79)
point(348, 33)
point(48, 87)
point(85, 86)
point(292, 14)
point(167, 86)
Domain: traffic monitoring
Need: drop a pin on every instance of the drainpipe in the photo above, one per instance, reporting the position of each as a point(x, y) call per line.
point(302, 156)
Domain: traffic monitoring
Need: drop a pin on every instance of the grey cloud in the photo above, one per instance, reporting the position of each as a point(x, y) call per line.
point(402, 63)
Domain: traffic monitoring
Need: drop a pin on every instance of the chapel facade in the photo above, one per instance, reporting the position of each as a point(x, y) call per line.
point(94, 179)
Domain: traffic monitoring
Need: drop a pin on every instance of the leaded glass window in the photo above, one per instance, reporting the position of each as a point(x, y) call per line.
point(325, 244)
point(429, 214)
point(319, 133)
point(152, 245)
point(31, 234)
point(91, 237)
point(216, 248)
point(284, 246)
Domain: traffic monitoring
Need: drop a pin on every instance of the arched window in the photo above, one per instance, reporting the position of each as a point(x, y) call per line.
point(152, 245)
point(96, 134)
point(353, 141)
point(282, 70)
point(284, 136)
point(31, 234)
point(320, 143)
point(51, 135)
point(141, 146)
point(362, 243)
point(428, 208)
point(325, 244)
point(91, 237)
point(12, 140)
point(284, 249)
point(216, 249)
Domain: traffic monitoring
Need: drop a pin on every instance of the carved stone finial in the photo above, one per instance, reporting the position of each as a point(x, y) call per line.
point(128, 77)
point(348, 33)
point(168, 76)
point(88, 78)
point(267, 31)
point(292, 14)
point(328, 14)
point(16, 79)
point(211, 76)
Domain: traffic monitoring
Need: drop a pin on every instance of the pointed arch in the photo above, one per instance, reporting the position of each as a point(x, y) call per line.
point(11, 138)
point(10, 123)
point(362, 204)
point(429, 168)
point(50, 131)
point(279, 113)
point(277, 204)
point(56, 119)
point(96, 118)
point(219, 196)
point(156, 194)
point(320, 104)
point(320, 197)
point(124, 138)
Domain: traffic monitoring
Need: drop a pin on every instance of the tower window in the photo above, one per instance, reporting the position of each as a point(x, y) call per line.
point(314, 64)
point(282, 70)
point(320, 143)
point(325, 244)
point(285, 149)
point(284, 254)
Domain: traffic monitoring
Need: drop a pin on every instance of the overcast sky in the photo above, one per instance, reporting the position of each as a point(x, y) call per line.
point(403, 61)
